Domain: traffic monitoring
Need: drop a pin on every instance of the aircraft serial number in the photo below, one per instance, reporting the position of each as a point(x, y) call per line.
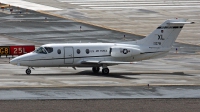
point(157, 43)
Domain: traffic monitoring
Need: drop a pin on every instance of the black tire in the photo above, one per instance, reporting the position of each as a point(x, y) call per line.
point(105, 71)
point(28, 71)
point(95, 69)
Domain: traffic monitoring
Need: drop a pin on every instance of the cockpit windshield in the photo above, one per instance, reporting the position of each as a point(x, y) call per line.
point(41, 50)
point(49, 49)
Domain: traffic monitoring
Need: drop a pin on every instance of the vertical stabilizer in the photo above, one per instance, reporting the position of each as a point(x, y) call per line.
point(165, 35)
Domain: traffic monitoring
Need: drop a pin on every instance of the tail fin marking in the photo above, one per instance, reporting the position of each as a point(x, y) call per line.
point(165, 35)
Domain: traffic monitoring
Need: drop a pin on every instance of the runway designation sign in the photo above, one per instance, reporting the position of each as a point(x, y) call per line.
point(16, 49)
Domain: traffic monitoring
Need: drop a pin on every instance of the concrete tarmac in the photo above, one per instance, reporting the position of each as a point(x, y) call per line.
point(137, 17)
point(111, 105)
point(43, 29)
point(100, 92)
point(30, 27)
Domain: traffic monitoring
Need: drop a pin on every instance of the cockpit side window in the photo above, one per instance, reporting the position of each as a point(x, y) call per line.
point(49, 49)
point(41, 50)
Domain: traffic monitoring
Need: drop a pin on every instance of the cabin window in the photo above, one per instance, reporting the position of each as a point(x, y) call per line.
point(87, 51)
point(41, 50)
point(49, 49)
point(59, 51)
point(78, 51)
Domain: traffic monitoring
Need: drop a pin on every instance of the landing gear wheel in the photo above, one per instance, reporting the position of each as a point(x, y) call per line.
point(105, 71)
point(95, 69)
point(28, 71)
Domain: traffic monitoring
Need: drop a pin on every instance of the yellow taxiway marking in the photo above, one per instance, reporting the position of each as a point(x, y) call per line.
point(5, 5)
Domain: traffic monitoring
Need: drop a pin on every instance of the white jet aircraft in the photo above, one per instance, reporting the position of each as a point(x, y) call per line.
point(97, 55)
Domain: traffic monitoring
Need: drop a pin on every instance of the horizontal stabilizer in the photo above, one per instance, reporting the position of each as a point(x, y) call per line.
point(181, 23)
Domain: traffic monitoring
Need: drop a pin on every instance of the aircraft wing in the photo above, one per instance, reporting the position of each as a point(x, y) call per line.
point(107, 62)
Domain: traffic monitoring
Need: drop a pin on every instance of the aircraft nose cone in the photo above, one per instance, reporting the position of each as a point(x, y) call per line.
point(14, 61)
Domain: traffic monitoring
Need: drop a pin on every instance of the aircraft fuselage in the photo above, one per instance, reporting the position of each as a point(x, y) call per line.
point(71, 55)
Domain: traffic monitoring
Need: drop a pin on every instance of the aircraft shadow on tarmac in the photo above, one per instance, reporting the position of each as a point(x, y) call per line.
point(111, 75)
point(87, 72)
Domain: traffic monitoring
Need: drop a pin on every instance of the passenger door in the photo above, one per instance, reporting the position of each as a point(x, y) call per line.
point(68, 55)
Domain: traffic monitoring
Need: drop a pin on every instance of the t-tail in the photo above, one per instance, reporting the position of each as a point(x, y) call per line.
point(165, 35)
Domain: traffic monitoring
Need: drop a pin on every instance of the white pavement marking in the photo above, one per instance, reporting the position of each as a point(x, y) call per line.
point(120, 3)
point(145, 7)
point(131, 2)
point(28, 5)
point(89, 82)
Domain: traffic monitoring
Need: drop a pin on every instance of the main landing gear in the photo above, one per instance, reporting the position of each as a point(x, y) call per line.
point(105, 71)
point(95, 69)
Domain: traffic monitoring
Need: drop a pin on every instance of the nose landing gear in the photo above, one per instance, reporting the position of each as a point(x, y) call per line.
point(28, 71)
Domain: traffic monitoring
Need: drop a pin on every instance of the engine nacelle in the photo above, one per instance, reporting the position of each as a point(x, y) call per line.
point(124, 52)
